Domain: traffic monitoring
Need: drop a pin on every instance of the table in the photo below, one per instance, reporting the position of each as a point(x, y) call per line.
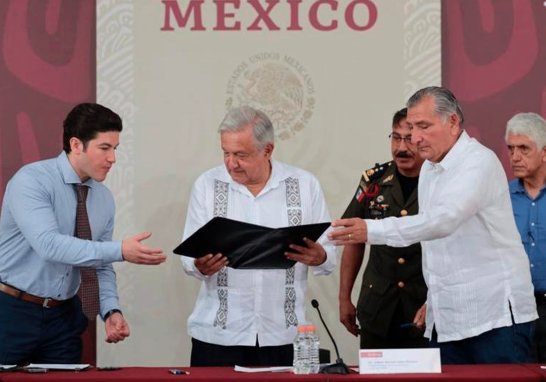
point(452, 373)
point(536, 368)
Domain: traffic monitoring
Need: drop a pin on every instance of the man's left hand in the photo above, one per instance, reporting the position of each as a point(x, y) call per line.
point(117, 329)
point(354, 231)
point(312, 255)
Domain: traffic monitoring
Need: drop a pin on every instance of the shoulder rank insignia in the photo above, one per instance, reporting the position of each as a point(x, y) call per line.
point(376, 172)
point(368, 185)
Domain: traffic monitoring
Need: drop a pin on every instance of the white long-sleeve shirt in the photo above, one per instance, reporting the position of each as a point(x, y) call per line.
point(236, 306)
point(474, 263)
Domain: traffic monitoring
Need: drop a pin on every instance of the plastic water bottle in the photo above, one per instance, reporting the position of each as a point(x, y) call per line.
point(302, 347)
point(314, 361)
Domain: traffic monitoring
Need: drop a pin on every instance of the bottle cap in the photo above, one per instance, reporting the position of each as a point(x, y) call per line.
point(302, 329)
point(311, 328)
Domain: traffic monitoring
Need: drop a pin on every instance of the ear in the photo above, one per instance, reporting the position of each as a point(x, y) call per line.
point(76, 146)
point(268, 149)
point(543, 152)
point(454, 123)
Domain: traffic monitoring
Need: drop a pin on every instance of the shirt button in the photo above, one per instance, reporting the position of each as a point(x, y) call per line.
point(533, 204)
point(67, 274)
point(401, 284)
point(401, 260)
point(532, 224)
point(532, 265)
point(532, 244)
point(371, 286)
point(58, 295)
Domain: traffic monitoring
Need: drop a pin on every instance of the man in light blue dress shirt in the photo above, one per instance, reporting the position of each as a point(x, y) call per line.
point(41, 318)
point(526, 140)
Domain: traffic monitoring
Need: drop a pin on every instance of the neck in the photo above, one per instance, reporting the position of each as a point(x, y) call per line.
point(72, 161)
point(413, 173)
point(255, 188)
point(534, 183)
point(450, 147)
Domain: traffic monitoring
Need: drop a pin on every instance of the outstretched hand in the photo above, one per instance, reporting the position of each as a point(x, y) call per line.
point(353, 231)
point(135, 252)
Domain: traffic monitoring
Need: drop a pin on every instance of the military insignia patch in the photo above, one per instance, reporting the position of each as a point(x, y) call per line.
point(388, 179)
point(359, 195)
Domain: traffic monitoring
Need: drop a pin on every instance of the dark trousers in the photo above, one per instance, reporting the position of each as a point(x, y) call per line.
point(406, 337)
point(32, 333)
point(205, 354)
point(538, 345)
point(509, 344)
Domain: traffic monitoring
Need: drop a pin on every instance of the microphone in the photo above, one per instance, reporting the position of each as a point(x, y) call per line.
point(335, 368)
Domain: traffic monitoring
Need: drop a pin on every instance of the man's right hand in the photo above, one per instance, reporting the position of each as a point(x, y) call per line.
point(135, 252)
point(420, 317)
point(347, 316)
point(210, 264)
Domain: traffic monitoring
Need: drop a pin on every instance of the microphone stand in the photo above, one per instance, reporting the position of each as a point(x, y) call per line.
point(339, 367)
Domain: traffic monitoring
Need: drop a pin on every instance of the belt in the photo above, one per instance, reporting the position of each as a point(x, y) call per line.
point(24, 296)
point(541, 298)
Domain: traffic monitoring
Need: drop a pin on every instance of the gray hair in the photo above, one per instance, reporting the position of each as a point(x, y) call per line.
point(445, 101)
point(243, 116)
point(531, 125)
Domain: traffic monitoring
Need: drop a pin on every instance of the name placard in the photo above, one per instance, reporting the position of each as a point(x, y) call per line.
point(390, 361)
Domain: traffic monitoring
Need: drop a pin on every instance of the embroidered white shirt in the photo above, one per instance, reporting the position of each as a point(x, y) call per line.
point(236, 307)
point(474, 263)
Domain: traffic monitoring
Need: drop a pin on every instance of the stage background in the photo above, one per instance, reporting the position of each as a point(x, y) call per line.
point(337, 92)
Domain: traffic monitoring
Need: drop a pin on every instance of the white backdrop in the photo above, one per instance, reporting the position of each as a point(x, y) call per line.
point(331, 96)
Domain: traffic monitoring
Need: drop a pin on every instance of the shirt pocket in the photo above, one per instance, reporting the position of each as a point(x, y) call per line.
point(371, 295)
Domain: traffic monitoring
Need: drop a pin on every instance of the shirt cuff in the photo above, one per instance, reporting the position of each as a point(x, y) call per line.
point(108, 305)
point(375, 231)
point(111, 251)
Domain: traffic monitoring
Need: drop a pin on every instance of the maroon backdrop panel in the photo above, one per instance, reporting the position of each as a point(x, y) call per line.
point(494, 61)
point(47, 65)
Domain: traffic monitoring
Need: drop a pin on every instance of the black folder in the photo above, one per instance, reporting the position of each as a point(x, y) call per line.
point(248, 246)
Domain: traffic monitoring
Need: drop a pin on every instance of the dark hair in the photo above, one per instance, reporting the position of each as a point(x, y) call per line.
point(399, 115)
point(86, 120)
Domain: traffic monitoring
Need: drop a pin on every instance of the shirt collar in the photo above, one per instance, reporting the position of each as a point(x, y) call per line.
point(452, 157)
point(516, 187)
point(68, 173)
point(278, 174)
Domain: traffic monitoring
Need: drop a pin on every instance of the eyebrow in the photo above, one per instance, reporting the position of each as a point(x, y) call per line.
point(106, 144)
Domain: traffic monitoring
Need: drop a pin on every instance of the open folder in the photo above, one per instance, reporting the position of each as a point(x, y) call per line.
point(248, 246)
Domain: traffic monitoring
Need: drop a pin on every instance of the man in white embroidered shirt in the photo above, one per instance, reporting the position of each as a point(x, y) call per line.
point(249, 317)
point(480, 305)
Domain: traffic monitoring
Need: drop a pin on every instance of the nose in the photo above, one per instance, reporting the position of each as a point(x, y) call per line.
point(231, 162)
point(112, 157)
point(516, 156)
point(403, 145)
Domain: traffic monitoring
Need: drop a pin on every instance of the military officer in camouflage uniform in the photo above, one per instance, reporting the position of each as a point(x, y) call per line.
point(393, 288)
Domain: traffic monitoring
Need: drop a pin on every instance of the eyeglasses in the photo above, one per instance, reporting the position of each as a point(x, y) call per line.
point(398, 138)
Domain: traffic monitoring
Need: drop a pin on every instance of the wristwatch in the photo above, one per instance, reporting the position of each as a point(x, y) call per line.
point(110, 312)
